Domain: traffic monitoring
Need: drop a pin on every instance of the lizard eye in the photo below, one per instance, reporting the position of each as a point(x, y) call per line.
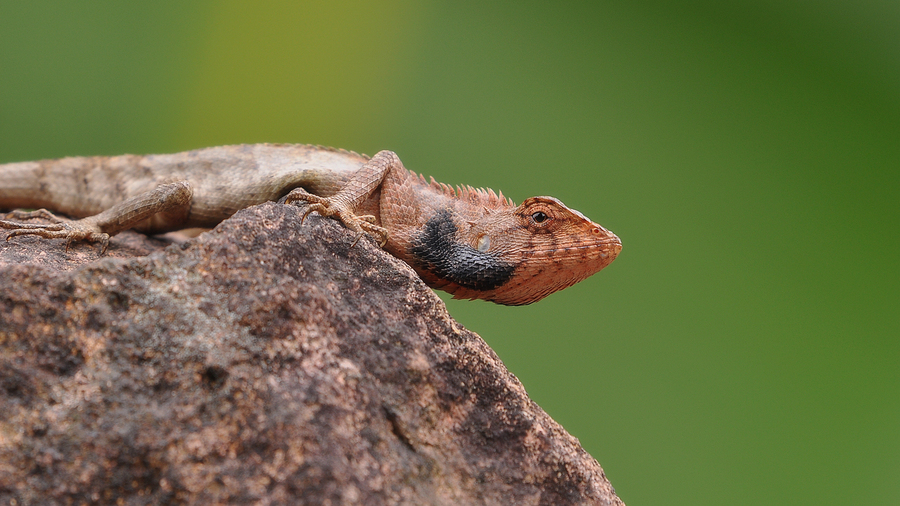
point(539, 217)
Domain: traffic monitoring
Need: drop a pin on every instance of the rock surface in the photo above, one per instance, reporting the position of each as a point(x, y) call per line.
point(265, 362)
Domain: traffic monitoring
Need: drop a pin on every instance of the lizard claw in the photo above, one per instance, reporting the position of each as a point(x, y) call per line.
point(316, 207)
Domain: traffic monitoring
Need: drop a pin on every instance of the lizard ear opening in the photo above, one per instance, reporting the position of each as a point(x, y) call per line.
point(483, 244)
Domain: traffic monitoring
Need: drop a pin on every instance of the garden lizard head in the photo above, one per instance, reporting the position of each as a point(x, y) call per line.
point(512, 255)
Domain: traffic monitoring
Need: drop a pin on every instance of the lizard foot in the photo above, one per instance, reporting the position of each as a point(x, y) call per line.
point(331, 207)
point(61, 228)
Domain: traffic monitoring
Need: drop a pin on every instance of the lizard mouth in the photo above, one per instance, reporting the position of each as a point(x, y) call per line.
point(607, 248)
point(611, 244)
point(615, 247)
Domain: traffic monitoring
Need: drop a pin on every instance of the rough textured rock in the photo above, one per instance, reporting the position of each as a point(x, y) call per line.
point(264, 361)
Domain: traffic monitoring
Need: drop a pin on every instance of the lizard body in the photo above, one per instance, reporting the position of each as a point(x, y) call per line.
point(470, 242)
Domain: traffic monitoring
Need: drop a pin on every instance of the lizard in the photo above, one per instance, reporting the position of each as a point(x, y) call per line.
point(472, 243)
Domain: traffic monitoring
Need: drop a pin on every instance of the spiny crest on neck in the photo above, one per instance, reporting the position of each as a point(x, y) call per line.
point(483, 197)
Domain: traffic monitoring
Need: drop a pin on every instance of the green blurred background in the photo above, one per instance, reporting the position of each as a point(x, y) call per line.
point(744, 347)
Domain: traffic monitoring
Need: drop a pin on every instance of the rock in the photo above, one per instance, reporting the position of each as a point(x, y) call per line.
point(264, 361)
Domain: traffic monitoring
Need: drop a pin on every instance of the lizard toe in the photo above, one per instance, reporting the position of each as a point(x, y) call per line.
point(39, 213)
point(53, 231)
point(379, 233)
point(301, 195)
point(74, 236)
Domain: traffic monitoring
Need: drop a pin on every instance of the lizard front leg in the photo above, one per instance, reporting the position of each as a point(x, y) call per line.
point(343, 204)
point(172, 200)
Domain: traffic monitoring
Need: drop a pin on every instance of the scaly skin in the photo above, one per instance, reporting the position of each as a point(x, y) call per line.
point(469, 242)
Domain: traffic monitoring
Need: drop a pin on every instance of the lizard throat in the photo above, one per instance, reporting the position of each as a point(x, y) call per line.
point(436, 250)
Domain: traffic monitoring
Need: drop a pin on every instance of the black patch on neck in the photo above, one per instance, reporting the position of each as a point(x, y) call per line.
point(438, 250)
